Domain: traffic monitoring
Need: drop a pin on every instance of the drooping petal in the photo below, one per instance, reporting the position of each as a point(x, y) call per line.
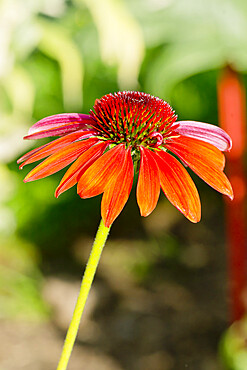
point(117, 192)
point(148, 187)
point(30, 154)
point(205, 132)
point(103, 171)
point(59, 160)
point(60, 124)
point(85, 160)
point(204, 160)
point(198, 149)
point(50, 148)
point(178, 186)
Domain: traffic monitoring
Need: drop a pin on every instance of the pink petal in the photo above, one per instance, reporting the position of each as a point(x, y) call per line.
point(60, 124)
point(205, 132)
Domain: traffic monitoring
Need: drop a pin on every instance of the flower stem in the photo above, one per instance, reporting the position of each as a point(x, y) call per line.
point(87, 280)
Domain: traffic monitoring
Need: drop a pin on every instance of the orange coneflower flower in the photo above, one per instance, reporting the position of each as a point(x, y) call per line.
point(126, 130)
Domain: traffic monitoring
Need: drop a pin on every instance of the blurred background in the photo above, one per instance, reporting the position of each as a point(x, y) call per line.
point(160, 299)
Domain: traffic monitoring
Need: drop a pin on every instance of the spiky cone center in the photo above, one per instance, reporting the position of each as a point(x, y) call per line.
point(133, 118)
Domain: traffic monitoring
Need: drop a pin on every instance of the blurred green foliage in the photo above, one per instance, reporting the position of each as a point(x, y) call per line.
point(59, 56)
point(233, 346)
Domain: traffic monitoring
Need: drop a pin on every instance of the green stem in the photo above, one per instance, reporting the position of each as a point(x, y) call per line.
point(87, 280)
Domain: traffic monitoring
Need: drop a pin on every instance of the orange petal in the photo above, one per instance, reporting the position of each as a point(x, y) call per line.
point(148, 187)
point(117, 192)
point(197, 148)
point(59, 160)
point(94, 181)
point(30, 154)
point(80, 166)
point(205, 160)
point(50, 148)
point(178, 186)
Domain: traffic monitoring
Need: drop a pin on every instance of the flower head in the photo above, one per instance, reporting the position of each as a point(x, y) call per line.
point(128, 130)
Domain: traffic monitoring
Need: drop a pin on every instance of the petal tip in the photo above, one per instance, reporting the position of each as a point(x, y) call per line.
point(229, 191)
point(145, 213)
point(195, 219)
point(57, 193)
point(29, 177)
point(193, 216)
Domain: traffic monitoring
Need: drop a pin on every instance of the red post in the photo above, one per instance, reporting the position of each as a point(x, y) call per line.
point(232, 118)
